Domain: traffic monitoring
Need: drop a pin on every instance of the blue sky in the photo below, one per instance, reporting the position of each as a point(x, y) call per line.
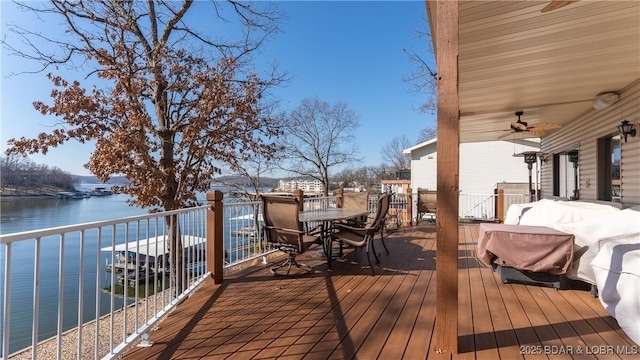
point(335, 50)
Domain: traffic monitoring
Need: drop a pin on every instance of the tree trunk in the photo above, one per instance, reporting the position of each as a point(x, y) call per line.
point(176, 253)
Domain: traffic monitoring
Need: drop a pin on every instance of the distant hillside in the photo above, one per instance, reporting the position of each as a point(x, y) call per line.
point(115, 180)
point(240, 180)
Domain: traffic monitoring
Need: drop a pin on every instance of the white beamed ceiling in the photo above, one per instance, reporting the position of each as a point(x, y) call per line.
point(550, 65)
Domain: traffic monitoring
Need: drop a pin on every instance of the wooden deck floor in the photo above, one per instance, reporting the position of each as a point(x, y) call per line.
point(347, 313)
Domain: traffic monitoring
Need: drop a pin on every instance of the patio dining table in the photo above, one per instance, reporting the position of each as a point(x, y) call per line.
point(326, 217)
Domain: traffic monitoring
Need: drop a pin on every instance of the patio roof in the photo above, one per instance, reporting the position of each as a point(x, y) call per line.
point(550, 65)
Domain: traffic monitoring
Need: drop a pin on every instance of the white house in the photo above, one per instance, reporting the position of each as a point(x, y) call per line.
point(483, 166)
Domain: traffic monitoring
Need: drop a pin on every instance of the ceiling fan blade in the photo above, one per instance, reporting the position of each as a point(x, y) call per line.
point(505, 135)
point(556, 4)
point(544, 126)
point(536, 133)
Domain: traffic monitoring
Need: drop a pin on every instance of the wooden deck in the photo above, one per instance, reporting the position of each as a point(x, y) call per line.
point(348, 313)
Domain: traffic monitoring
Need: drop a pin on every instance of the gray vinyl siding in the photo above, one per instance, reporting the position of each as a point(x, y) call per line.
point(584, 132)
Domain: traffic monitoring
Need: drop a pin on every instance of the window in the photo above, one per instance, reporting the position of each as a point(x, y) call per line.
point(565, 175)
point(609, 168)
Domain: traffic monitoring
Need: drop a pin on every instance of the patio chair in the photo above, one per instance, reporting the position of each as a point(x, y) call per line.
point(426, 204)
point(363, 236)
point(283, 229)
point(359, 201)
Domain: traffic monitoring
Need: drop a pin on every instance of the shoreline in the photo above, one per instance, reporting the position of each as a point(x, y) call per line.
point(26, 197)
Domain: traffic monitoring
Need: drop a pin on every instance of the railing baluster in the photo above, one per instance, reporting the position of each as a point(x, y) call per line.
point(125, 281)
point(80, 295)
point(96, 344)
point(136, 279)
point(113, 290)
point(36, 298)
point(7, 302)
point(147, 275)
point(60, 297)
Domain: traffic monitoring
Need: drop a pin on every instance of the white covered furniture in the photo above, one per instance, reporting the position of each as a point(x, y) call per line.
point(606, 253)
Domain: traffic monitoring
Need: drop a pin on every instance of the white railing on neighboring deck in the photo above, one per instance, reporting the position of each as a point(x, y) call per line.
point(477, 206)
point(483, 206)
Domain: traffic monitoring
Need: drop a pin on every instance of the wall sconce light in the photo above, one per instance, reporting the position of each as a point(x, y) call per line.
point(627, 129)
point(543, 157)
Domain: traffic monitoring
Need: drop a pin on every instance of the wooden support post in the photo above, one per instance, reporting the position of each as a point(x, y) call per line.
point(448, 147)
point(339, 197)
point(215, 235)
point(409, 216)
point(299, 194)
point(500, 206)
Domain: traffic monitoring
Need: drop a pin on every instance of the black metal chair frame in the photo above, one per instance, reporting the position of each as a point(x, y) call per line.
point(363, 236)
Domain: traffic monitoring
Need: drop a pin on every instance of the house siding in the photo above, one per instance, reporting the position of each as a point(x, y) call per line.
point(482, 165)
point(583, 133)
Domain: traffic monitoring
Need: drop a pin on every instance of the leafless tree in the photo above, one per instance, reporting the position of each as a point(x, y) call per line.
point(423, 80)
point(427, 133)
point(391, 152)
point(318, 137)
point(253, 170)
point(166, 99)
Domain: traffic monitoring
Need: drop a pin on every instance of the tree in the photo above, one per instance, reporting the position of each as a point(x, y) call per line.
point(424, 78)
point(391, 152)
point(427, 133)
point(172, 100)
point(253, 171)
point(317, 137)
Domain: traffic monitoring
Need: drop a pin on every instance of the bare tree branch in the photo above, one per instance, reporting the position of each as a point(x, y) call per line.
point(319, 137)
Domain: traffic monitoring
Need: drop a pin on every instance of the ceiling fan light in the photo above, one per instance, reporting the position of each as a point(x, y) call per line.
point(604, 100)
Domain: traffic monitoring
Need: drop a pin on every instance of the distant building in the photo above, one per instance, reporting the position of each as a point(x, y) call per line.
point(306, 185)
point(482, 165)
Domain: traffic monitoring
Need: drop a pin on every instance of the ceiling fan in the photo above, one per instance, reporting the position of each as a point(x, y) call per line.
point(556, 4)
point(534, 130)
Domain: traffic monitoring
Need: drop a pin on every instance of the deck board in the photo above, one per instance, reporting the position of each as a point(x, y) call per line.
point(347, 313)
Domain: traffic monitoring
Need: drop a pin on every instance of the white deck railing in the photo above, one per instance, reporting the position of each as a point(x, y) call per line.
point(69, 265)
point(65, 259)
point(483, 206)
point(67, 277)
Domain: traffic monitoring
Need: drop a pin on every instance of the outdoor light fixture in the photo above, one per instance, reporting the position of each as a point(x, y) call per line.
point(543, 157)
point(627, 129)
point(605, 100)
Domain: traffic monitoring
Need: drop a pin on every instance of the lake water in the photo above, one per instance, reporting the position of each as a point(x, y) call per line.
point(26, 215)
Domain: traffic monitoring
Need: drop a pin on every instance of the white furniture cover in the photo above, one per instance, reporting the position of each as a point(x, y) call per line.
point(606, 253)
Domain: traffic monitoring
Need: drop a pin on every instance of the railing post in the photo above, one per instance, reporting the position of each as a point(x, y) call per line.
point(339, 197)
point(215, 235)
point(409, 214)
point(500, 205)
point(299, 194)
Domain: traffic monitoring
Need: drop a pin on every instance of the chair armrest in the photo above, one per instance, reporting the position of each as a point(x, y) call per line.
point(284, 230)
point(340, 226)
